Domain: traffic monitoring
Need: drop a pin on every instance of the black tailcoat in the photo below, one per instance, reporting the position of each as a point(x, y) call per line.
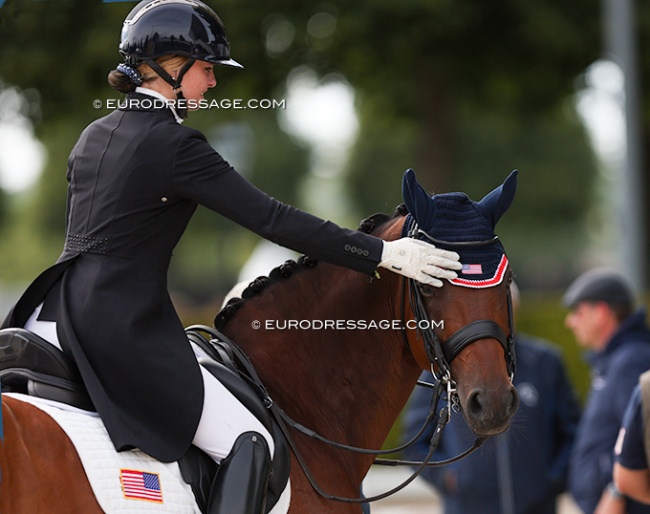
point(135, 179)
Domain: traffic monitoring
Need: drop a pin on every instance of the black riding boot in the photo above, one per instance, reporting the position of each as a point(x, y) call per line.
point(240, 484)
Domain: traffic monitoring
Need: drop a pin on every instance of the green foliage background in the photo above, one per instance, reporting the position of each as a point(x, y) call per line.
point(461, 92)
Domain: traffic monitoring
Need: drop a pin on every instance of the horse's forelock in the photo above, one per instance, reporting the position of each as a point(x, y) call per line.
point(373, 224)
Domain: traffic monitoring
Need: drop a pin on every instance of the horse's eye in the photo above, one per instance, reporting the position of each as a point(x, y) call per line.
point(427, 290)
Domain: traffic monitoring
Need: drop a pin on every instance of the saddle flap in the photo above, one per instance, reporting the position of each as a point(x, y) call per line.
point(242, 390)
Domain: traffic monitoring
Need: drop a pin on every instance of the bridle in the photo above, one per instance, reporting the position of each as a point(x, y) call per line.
point(441, 355)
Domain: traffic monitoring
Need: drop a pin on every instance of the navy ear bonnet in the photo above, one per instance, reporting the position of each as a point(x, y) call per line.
point(455, 222)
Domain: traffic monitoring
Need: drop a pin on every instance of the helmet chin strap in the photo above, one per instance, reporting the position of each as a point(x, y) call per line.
point(175, 83)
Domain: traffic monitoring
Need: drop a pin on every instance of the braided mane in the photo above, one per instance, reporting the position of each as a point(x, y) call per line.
point(290, 267)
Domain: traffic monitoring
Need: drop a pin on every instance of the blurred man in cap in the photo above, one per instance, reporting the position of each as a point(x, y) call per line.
point(604, 320)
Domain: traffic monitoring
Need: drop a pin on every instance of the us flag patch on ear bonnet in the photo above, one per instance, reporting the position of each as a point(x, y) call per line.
point(455, 222)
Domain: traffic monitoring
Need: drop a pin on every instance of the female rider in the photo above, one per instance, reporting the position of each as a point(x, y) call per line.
point(135, 178)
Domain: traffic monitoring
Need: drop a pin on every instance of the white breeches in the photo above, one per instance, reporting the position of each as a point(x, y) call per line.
point(45, 329)
point(223, 418)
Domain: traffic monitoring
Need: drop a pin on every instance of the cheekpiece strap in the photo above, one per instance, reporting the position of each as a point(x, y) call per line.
point(410, 227)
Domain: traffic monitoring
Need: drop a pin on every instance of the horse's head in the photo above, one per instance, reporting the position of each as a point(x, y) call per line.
point(470, 342)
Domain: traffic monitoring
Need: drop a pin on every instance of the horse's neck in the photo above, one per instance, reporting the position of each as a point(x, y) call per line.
point(347, 384)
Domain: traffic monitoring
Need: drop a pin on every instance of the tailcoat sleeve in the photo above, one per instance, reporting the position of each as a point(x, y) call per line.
point(202, 175)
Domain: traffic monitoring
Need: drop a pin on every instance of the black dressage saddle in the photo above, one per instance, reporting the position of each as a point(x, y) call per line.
point(32, 366)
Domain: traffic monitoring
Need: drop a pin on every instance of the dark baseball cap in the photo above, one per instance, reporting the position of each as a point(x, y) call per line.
point(600, 285)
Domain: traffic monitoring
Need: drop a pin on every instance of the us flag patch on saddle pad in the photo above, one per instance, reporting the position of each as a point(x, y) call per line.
point(141, 485)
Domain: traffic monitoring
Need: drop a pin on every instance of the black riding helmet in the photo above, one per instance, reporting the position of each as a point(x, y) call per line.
point(181, 27)
point(187, 28)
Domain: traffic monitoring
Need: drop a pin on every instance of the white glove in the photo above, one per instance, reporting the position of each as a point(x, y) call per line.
point(420, 261)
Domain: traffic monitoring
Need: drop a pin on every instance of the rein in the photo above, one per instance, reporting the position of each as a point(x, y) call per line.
point(438, 354)
point(466, 335)
point(440, 357)
point(285, 421)
point(443, 419)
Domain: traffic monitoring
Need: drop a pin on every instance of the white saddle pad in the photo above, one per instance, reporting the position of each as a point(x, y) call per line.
point(125, 482)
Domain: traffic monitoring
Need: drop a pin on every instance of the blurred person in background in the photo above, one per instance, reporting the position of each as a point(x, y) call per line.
point(632, 451)
point(521, 471)
point(604, 320)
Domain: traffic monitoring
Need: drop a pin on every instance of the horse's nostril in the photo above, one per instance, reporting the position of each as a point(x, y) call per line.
point(474, 404)
point(514, 404)
point(479, 404)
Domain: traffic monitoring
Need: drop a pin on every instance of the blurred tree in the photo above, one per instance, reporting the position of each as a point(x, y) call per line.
point(424, 60)
point(464, 92)
point(73, 44)
point(443, 87)
point(60, 49)
point(544, 231)
point(642, 19)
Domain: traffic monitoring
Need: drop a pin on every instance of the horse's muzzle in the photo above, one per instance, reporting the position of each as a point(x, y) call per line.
point(489, 412)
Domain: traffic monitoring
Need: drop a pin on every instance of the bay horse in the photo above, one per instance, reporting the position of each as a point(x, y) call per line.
point(339, 352)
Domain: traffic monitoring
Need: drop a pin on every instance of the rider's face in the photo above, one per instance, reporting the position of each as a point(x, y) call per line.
point(197, 80)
